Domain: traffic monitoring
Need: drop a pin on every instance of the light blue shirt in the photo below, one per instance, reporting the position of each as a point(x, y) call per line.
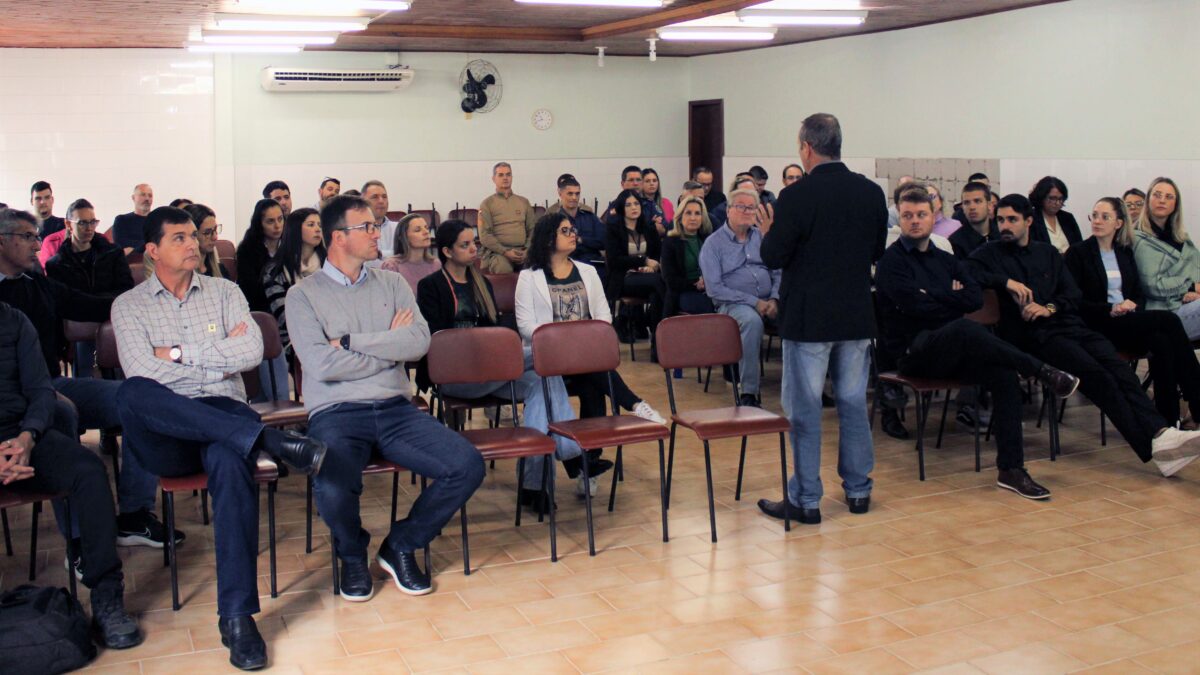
point(1113, 271)
point(336, 274)
point(733, 270)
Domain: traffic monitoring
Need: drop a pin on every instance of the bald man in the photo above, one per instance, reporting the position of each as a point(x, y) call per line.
point(127, 227)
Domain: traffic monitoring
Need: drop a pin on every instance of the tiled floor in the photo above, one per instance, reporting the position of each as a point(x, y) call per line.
point(950, 575)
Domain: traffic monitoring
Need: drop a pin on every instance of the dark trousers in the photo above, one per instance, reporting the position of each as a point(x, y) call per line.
point(1104, 378)
point(592, 390)
point(60, 464)
point(687, 302)
point(649, 285)
point(408, 437)
point(178, 436)
point(1173, 365)
point(965, 350)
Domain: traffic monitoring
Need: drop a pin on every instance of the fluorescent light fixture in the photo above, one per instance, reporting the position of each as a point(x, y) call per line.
point(655, 4)
point(783, 17)
point(726, 33)
point(811, 5)
point(266, 23)
point(327, 7)
point(214, 37)
point(244, 49)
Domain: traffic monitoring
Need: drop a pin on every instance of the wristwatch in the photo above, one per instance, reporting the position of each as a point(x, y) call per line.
point(176, 354)
point(1050, 306)
point(345, 341)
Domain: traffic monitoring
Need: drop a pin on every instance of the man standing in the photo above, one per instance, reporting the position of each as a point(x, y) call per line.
point(354, 328)
point(828, 230)
point(505, 224)
point(377, 196)
point(591, 233)
point(330, 188)
point(923, 294)
point(978, 227)
point(127, 227)
point(41, 198)
point(37, 458)
point(739, 284)
point(184, 338)
point(713, 196)
point(1039, 304)
point(280, 192)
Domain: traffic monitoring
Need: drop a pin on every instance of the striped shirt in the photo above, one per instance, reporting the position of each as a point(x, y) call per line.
point(149, 316)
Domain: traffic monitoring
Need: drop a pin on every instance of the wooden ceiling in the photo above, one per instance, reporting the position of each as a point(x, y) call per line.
point(455, 25)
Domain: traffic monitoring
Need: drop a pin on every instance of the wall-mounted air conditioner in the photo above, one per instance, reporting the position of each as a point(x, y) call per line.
point(308, 79)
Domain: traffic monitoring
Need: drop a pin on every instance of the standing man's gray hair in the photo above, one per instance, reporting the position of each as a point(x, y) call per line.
point(500, 165)
point(823, 133)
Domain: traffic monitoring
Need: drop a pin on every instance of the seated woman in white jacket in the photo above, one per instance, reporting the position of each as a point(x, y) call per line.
point(554, 288)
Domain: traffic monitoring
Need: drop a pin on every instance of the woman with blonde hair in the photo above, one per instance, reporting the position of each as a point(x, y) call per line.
point(1167, 260)
point(681, 259)
point(415, 257)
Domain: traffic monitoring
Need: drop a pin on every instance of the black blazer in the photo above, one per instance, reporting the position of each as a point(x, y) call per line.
point(1066, 221)
point(1083, 261)
point(108, 275)
point(616, 252)
point(435, 299)
point(252, 261)
point(829, 228)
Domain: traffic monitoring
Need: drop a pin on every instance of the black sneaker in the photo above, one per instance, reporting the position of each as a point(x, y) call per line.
point(749, 400)
point(404, 570)
point(356, 584)
point(73, 562)
point(143, 528)
point(117, 629)
point(892, 426)
point(1019, 481)
point(967, 414)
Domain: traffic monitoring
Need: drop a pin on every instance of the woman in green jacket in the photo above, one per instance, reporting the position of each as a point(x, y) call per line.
point(1167, 260)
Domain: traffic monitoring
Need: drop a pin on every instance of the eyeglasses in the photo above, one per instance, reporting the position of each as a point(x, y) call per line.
point(90, 224)
point(1165, 196)
point(1102, 218)
point(27, 236)
point(1055, 200)
point(212, 231)
point(369, 228)
point(1131, 204)
point(568, 231)
point(744, 208)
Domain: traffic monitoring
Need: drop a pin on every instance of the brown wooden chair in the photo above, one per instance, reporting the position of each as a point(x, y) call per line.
point(493, 354)
point(109, 363)
point(578, 347)
point(430, 215)
point(631, 301)
point(468, 216)
point(395, 215)
point(138, 271)
point(538, 210)
point(226, 249)
point(10, 499)
point(713, 340)
point(274, 413)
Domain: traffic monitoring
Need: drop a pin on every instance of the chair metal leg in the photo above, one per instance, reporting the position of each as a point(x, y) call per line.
point(712, 510)
point(108, 441)
point(1053, 423)
point(548, 475)
point(170, 506)
point(271, 487)
point(70, 550)
point(520, 486)
point(1062, 410)
point(8, 549)
point(707, 379)
point(978, 466)
point(922, 412)
point(166, 551)
point(428, 562)
point(698, 378)
point(664, 494)
point(465, 544)
point(787, 523)
point(204, 505)
point(612, 495)
point(942, 426)
point(1103, 430)
point(396, 492)
point(337, 582)
point(587, 503)
point(1041, 412)
point(308, 514)
point(37, 510)
point(670, 468)
point(737, 495)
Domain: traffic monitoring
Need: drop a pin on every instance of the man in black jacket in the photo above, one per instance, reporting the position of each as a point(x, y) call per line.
point(828, 229)
point(37, 458)
point(1039, 305)
point(47, 302)
point(978, 226)
point(923, 295)
point(41, 198)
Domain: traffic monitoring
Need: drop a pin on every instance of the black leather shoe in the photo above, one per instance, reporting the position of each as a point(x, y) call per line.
point(794, 513)
point(404, 570)
point(300, 452)
point(117, 629)
point(1019, 481)
point(827, 401)
point(247, 651)
point(892, 426)
point(750, 400)
point(535, 500)
point(859, 504)
point(1061, 383)
point(356, 584)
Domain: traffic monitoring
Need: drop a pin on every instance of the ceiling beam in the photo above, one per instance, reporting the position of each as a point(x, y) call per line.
point(411, 30)
point(666, 17)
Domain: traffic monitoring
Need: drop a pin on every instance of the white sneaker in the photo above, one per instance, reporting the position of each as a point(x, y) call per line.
point(1170, 467)
point(592, 484)
point(1175, 444)
point(644, 411)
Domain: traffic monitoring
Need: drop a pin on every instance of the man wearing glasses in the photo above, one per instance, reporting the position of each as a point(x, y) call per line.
point(354, 327)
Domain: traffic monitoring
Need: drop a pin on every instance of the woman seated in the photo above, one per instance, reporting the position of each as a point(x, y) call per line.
point(1167, 260)
point(414, 256)
point(632, 252)
point(554, 288)
point(1051, 224)
point(681, 259)
point(301, 254)
point(258, 247)
point(458, 296)
point(1114, 305)
point(661, 212)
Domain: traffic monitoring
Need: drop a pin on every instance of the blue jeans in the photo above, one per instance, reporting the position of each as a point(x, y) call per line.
point(1189, 313)
point(96, 408)
point(174, 435)
point(85, 358)
point(804, 368)
point(536, 417)
point(750, 325)
point(408, 437)
point(280, 391)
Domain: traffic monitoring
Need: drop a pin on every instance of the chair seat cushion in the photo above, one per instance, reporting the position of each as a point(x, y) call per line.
point(281, 413)
point(380, 465)
point(922, 383)
point(732, 421)
point(509, 442)
point(265, 471)
point(608, 431)
point(450, 403)
point(13, 498)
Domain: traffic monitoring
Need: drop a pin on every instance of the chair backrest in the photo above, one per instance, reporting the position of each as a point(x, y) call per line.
point(135, 257)
point(430, 216)
point(989, 314)
point(226, 249)
point(468, 216)
point(107, 357)
point(504, 287)
point(698, 341)
point(575, 347)
point(138, 270)
point(80, 331)
point(539, 210)
point(467, 355)
point(272, 345)
point(395, 215)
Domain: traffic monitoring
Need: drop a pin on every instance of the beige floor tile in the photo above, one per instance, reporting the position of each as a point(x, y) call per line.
point(1177, 659)
point(630, 622)
point(542, 664)
point(1013, 631)
point(932, 651)
point(544, 638)
point(451, 653)
point(1028, 660)
point(1166, 628)
point(859, 635)
point(575, 584)
point(1122, 667)
point(936, 618)
point(409, 633)
point(861, 605)
point(377, 663)
point(555, 610)
point(619, 653)
point(700, 637)
point(712, 608)
point(1075, 586)
point(479, 622)
point(1005, 601)
point(1084, 614)
point(786, 620)
point(776, 653)
point(875, 661)
point(1101, 644)
point(503, 594)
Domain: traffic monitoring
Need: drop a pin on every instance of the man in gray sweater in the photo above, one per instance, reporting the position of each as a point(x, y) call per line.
point(353, 328)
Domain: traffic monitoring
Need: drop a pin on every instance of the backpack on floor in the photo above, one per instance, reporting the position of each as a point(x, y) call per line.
point(42, 631)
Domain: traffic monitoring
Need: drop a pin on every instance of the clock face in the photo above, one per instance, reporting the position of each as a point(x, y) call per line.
point(542, 119)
